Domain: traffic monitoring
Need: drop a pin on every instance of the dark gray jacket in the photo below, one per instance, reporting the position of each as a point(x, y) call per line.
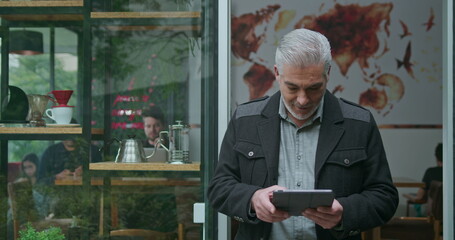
point(350, 160)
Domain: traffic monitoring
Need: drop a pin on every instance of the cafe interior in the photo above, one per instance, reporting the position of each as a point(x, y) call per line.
point(112, 112)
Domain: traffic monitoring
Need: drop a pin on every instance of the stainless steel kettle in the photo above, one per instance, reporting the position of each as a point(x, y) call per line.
point(130, 150)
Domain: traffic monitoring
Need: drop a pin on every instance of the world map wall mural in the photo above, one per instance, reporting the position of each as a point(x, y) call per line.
point(387, 55)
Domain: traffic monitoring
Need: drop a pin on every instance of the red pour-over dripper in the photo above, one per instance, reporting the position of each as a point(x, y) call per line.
point(62, 96)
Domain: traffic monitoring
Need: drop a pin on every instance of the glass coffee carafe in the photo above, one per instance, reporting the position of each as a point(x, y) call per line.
point(37, 105)
point(179, 143)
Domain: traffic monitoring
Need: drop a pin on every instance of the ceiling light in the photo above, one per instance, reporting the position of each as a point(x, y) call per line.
point(25, 42)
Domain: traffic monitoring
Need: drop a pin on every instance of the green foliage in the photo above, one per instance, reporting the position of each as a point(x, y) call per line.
point(32, 75)
point(52, 233)
point(18, 149)
point(151, 66)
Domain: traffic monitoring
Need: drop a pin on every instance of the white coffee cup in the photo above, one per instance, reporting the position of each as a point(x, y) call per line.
point(61, 115)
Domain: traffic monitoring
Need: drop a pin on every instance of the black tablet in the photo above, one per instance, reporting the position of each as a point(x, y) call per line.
point(295, 201)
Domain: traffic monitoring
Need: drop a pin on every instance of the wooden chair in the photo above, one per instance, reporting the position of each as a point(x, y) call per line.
point(139, 234)
point(412, 228)
point(410, 203)
point(23, 210)
point(21, 196)
point(144, 234)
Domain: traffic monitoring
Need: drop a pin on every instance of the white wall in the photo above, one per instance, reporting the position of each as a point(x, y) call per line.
point(194, 102)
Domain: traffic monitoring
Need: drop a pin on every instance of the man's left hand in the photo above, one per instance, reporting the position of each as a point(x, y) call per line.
point(326, 217)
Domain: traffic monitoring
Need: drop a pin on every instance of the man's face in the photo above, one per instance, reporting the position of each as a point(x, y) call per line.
point(152, 127)
point(69, 145)
point(302, 90)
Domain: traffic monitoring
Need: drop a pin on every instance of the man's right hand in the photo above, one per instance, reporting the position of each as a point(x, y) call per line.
point(64, 174)
point(261, 203)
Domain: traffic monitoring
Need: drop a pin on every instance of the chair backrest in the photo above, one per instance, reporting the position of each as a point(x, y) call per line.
point(22, 202)
point(14, 171)
point(142, 234)
point(435, 200)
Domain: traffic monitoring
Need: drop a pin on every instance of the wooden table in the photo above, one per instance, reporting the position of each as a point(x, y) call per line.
point(403, 182)
point(407, 182)
point(126, 181)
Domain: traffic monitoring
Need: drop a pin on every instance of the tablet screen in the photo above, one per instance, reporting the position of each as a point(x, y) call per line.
point(295, 201)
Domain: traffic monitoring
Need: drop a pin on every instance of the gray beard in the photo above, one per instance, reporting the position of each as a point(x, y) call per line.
point(300, 117)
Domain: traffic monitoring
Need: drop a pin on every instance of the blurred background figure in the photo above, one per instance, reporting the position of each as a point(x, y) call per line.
point(431, 174)
point(63, 160)
point(434, 173)
point(32, 203)
point(154, 123)
point(29, 168)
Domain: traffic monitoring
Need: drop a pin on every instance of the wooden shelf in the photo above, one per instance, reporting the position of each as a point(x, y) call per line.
point(145, 15)
point(42, 10)
point(144, 166)
point(77, 3)
point(43, 17)
point(154, 28)
point(133, 181)
point(46, 130)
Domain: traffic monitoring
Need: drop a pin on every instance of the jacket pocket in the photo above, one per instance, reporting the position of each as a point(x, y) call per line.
point(249, 150)
point(345, 171)
point(253, 167)
point(348, 157)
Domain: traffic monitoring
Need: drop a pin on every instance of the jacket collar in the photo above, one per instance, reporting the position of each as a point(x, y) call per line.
point(330, 133)
point(332, 111)
point(269, 134)
point(271, 109)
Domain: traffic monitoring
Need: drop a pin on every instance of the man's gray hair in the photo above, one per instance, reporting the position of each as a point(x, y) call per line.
point(302, 48)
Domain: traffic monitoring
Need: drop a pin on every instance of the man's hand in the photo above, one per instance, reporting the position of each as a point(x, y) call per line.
point(261, 203)
point(64, 174)
point(326, 217)
point(78, 171)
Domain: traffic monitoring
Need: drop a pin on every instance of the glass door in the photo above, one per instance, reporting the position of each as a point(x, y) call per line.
point(152, 81)
point(141, 72)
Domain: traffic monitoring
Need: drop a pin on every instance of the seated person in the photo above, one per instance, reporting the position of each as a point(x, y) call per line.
point(29, 168)
point(431, 174)
point(154, 123)
point(36, 207)
point(63, 160)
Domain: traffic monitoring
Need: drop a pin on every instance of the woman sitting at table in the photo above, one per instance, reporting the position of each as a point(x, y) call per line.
point(431, 174)
point(33, 205)
point(29, 168)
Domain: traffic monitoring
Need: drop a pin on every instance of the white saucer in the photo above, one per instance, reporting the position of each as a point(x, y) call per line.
point(62, 125)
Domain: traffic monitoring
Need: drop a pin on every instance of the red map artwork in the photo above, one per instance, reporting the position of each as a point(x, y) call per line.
point(245, 42)
point(244, 39)
point(352, 30)
point(259, 79)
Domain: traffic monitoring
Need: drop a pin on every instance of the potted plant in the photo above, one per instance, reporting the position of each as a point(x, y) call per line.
point(30, 233)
